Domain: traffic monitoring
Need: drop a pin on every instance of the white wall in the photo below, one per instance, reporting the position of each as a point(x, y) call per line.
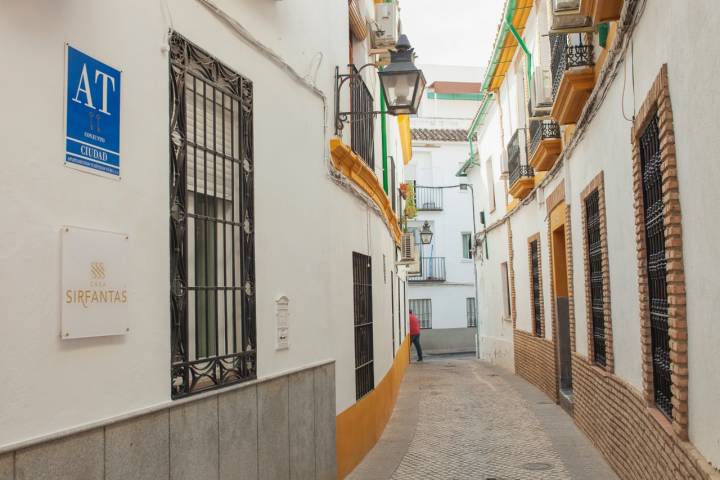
point(659, 38)
point(305, 232)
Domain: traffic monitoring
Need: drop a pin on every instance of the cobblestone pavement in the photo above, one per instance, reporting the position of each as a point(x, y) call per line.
point(474, 421)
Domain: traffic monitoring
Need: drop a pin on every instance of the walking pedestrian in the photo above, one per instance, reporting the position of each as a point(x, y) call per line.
point(415, 335)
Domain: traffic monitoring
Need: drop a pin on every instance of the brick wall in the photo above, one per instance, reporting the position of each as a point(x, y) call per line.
point(617, 419)
point(535, 362)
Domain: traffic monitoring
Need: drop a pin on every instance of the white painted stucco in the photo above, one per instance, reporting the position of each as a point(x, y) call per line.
point(306, 226)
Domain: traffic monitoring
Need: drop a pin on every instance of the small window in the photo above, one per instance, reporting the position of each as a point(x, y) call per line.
point(467, 245)
point(471, 312)
point(362, 300)
point(505, 289)
point(422, 308)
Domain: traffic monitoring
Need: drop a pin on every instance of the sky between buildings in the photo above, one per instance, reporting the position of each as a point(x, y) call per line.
point(451, 32)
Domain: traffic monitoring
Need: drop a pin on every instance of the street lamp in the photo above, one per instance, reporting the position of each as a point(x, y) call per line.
point(402, 82)
point(426, 234)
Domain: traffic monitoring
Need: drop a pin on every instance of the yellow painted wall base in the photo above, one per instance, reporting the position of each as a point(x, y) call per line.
point(359, 427)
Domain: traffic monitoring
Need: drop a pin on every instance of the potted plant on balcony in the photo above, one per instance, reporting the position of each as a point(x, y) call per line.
point(410, 209)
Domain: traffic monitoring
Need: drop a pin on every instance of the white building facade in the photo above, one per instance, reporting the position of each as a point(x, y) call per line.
point(594, 260)
point(443, 295)
point(247, 249)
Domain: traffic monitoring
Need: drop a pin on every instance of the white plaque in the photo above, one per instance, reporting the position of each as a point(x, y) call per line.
point(95, 272)
point(282, 312)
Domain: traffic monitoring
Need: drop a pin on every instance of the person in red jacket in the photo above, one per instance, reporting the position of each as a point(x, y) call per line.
point(415, 334)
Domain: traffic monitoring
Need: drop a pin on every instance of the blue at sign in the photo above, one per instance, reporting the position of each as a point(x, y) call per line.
point(93, 114)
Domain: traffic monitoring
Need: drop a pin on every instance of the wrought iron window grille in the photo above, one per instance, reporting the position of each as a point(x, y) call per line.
point(471, 312)
point(422, 308)
point(361, 115)
point(363, 316)
point(212, 259)
point(541, 130)
point(596, 280)
point(535, 275)
point(656, 265)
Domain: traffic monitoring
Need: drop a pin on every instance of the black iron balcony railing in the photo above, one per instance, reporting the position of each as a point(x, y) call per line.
point(432, 269)
point(541, 130)
point(520, 172)
point(428, 198)
point(362, 128)
point(517, 154)
point(568, 50)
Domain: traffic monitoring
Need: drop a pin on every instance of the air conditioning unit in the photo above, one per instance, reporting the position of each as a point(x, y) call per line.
point(408, 252)
point(569, 16)
point(541, 92)
point(385, 27)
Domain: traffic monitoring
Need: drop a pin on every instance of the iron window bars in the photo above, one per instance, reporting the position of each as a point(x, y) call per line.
point(471, 312)
point(432, 269)
point(212, 257)
point(428, 198)
point(656, 265)
point(535, 275)
point(597, 281)
point(541, 130)
point(422, 308)
point(361, 114)
point(568, 50)
point(362, 302)
point(517, 157)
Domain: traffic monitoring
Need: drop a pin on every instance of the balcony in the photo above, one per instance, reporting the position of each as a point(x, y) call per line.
point(432, 269)
point(573, 75)
point(361, 134)
point(522, 176)
point(545, 144)
point(429, 198)
point(603, 10)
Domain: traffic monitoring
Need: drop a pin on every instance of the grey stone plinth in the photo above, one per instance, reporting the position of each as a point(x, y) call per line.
point(138, 448)
point(238, 434)
point(7, 466)
point(302, 425)
point(325, 461)
point(273, 443)
point(194, 440)
point(71, 458)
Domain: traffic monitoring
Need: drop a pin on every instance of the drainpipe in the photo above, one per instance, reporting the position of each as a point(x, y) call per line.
point(383, 135)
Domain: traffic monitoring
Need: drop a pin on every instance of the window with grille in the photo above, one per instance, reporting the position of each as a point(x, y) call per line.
point(212, 259)
point(535, 277)
point(392, 311)
point(362, 301)
point(506, 289)
point(471, 312)
point(656, 264)
point(596, 280)
point(393, 185)
point(422, 308)
point(466, 245)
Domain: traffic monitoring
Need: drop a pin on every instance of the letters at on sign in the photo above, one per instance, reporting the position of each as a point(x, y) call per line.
point(92, 109)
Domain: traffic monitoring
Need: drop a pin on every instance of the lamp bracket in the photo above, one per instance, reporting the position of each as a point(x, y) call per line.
point(341, 118)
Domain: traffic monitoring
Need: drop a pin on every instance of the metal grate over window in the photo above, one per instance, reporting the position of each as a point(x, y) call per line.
point(362, 301)
point(656, 265)
point(471, 312)
point(597, 281)
point(422, 308)
point(212, 260)
point(535, 275)
point(363, 126)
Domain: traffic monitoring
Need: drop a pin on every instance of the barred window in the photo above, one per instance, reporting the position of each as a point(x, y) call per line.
point(211, 217)
point(362, 300)
point(505, 289)
point(535, 277)
point(422, 308)
point(596, 279)
point(471, 312)
point(656, 265)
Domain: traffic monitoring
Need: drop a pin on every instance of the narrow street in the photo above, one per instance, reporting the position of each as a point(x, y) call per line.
point(458, 418)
